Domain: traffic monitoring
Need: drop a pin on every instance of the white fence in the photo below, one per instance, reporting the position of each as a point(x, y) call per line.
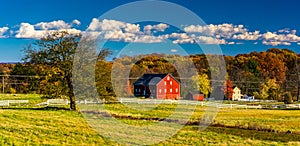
point(10, 102)
point(54, 102)
point(217, 104)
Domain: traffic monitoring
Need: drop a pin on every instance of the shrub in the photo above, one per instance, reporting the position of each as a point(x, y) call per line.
point(12, 90)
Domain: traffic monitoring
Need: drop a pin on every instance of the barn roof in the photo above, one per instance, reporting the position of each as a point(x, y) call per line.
point(150, 79)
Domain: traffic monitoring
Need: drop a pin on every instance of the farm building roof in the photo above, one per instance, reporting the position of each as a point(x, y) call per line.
point(150, 79)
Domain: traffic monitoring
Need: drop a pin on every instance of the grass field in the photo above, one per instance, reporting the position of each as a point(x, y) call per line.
point(33, 125)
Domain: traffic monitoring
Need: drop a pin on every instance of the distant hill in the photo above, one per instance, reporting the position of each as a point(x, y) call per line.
point(10, 63)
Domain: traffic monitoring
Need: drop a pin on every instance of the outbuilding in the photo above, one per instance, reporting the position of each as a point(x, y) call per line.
point(160, 86)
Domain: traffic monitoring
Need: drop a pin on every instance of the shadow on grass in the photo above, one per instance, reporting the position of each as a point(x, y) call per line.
point(255, 135)
point(37, 108)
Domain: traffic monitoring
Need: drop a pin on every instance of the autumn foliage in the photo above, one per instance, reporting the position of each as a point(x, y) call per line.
point(228, 89)
point(250, 72)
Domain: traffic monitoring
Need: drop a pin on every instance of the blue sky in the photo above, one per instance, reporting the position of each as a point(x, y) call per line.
point(237, 26)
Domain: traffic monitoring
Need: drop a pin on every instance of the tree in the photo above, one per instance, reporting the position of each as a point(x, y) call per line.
point(54, 55)
point(271, 66)
point(288, 98)
point(202, 83)
point(103, 79)
point(26, 77)
point(269, 90)
point(228, 89)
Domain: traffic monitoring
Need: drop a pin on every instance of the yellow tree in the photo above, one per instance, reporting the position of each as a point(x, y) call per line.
point(269, 90)
point(202, 83)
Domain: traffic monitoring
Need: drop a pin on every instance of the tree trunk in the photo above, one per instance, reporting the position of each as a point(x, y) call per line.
point(71, 93)
point(72, 103)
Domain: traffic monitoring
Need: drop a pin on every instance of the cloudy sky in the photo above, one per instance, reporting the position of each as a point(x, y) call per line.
point(236, 26)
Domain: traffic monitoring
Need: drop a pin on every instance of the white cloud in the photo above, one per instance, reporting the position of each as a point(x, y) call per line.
point(115, 30)
point(174, 50)
point(247, 36)
point(209, 40)
point(183, 38)
point(94, 25)
point(130, 37)
point(133, 28)
point(106, 25)
point(54, 25)
point(276, 43)
point(180, 38)
point(159, 27)
point(148, 39)
point(120, 31)
point(181, 35)
point(223, 32)
point(275, 39)
point(3, 30)
point(219, 31)
point(76, 22)
point(286, 30)
point(41, 29)
point(71, 31)
point(27, 31)
point(118, 35)
point(184, 41)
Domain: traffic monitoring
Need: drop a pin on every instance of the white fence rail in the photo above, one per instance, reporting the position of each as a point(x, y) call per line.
point(54, 102)
point(10, 102)
point(217, 104)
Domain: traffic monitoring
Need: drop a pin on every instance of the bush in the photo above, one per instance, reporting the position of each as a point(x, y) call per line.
point(12, 90)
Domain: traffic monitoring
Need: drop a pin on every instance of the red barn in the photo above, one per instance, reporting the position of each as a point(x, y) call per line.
point(160, 86)
point(195, 95)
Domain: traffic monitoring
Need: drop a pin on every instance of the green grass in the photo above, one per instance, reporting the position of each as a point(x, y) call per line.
point(279, 120)
point(33, 98)
point(32, 125)
point(53, 127)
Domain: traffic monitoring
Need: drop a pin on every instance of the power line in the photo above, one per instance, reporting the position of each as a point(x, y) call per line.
point(24, 76)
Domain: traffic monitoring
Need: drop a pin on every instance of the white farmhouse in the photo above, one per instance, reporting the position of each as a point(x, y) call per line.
point(236, 93)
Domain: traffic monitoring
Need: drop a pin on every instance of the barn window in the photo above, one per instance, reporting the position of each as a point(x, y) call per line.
point(159, 90)
point(171, 90)
point(139, 90)
point(171, 82)
point(165, 83)
point(165, 90)
point(176, 89)
point(168, 78)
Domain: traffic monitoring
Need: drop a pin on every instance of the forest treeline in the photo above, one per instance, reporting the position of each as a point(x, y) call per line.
point(267, 75)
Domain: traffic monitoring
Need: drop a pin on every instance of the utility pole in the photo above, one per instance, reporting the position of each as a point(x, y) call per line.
point(3, 88)
point(298, 79)
point(298, 90)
